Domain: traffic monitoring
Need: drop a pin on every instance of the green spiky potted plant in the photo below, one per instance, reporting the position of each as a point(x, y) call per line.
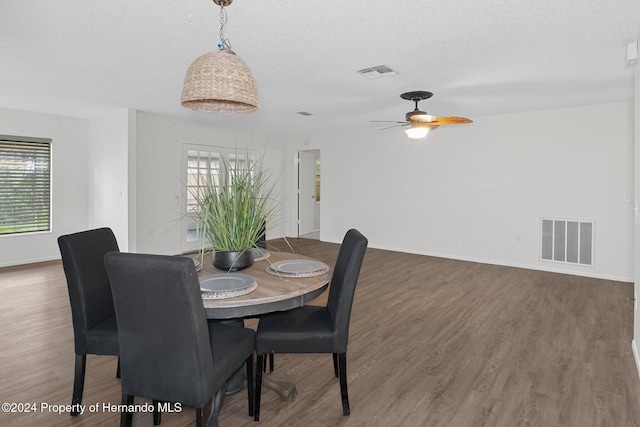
point(233, 213)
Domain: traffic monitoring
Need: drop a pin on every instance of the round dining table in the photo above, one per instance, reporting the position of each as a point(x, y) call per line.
point(274, 292)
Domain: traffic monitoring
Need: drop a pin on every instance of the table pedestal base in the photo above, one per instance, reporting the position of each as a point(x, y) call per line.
point(286, 390)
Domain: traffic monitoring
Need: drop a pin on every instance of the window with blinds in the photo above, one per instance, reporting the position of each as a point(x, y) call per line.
point(208, 167)
point(25, 185)
point(203, 171)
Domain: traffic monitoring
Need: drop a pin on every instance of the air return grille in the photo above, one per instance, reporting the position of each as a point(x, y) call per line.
point(377, 72)
point(567, 241)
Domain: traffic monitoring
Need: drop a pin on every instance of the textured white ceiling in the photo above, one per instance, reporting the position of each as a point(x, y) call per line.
point(83, 57)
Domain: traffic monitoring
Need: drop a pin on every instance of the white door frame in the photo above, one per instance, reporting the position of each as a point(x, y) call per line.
point(307, 204)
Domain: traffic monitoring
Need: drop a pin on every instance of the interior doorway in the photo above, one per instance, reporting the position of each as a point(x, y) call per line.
point(309, 194)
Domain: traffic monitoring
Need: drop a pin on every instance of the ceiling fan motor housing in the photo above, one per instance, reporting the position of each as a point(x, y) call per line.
point(417, 115)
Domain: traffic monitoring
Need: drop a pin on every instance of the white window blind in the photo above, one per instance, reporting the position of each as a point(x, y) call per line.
point(208, 167)
point(25, 185)
point(203, 171)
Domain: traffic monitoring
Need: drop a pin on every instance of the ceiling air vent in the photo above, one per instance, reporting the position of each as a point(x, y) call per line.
point(377, 72)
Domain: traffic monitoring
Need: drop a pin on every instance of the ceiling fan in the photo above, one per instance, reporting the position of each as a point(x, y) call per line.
point(419, 122)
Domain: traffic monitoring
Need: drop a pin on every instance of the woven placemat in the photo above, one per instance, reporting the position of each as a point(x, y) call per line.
point(229, 294)
point(260, 254)
point(325, 269)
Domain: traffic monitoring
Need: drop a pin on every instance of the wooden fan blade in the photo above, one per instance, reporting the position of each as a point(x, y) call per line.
point(396, 126)
point(451, 120)
point(386, 121)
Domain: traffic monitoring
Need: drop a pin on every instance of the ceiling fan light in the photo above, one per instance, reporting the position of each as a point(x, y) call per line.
point(417, 132)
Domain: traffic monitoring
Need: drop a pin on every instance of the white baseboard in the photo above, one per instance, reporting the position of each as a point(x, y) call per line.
point(550, 268)
point(29, 261)
point(636, 355)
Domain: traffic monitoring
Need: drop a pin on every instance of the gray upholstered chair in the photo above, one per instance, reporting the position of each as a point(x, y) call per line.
point(313, 329)
point(168, 350)
point(93, 316)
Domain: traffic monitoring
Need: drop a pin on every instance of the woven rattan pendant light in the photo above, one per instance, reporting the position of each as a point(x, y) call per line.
point(220, 82)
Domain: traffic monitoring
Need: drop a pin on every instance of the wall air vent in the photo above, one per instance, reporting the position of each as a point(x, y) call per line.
point(377, 72)
point(567, 241)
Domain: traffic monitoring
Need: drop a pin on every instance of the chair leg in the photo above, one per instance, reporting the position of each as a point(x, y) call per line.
point(250, 384)
point(118, 368)
point(264, 364)
point(342, 368)
point(157, 414)
point(335, 364)
point(258, 388)
point(199, 417)
point(126, 418)
point(78, 383)
point(216, 404)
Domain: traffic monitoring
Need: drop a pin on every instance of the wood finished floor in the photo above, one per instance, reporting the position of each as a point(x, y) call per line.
point(434, 342)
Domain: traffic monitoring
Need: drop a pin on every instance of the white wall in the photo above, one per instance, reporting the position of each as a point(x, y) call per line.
point(160, 180)
point(102, 176)
point(109, 141)
point(70, 147)
point(477, 192)
point(472, 192)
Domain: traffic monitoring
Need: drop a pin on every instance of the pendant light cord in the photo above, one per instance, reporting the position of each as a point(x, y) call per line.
point(224, 43)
